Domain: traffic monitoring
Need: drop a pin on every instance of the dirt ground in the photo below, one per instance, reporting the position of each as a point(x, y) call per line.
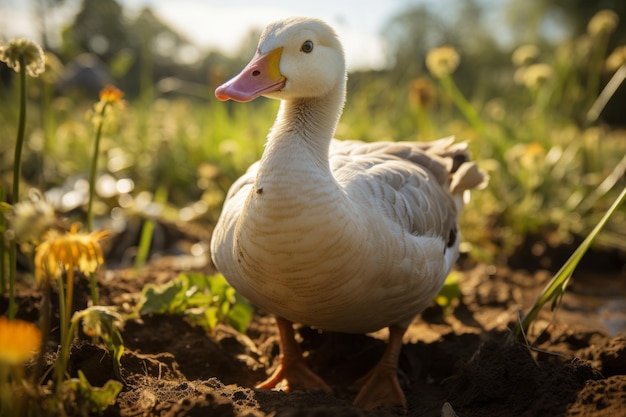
point(454, 362)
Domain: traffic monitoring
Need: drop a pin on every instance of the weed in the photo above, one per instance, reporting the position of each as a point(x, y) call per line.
point(203, 300)
point(556, 287)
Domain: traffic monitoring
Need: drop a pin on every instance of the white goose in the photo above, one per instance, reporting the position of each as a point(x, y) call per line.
point(341, 235)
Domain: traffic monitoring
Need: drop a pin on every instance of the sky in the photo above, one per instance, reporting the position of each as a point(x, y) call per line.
point(223, 24)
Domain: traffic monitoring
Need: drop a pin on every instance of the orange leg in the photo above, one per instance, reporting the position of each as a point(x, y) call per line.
point(381, 386)
point(292, 367)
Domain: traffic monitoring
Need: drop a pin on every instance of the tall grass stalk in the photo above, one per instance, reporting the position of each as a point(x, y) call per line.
point(556, 287)
point(607, 92)
point(595, 67)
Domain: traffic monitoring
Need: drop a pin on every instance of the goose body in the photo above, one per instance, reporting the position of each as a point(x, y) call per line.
point(341, 235)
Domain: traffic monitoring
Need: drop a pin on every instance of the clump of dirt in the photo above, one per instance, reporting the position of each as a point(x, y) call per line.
point(459, 357)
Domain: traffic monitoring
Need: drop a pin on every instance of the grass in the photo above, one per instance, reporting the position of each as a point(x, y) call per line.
point(557, 174)
point(552, 176)
point(556, 287)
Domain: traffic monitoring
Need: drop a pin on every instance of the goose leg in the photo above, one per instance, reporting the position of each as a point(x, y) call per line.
point(292, 367)
point(381, 386)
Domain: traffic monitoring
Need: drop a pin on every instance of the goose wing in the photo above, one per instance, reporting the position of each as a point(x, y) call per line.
point(417, 186)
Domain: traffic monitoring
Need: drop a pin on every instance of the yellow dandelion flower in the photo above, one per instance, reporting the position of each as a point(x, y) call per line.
point(535, 149)
point(65, 252)
point(525, 55)
point(534, 76)
point(603, 22)
point(111, 94)
point(532, 154)
point(442, 61)
point(110, 98)
point(421, 92)
point(26, 50)
point(616, 59)
point(19, 341)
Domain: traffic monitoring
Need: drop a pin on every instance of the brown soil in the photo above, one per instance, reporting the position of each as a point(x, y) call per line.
point(453, 363)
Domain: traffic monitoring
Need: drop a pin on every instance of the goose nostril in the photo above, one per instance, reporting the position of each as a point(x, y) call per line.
point(256, 73)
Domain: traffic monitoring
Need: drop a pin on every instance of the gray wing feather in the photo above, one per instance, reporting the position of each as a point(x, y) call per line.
point(409, 182)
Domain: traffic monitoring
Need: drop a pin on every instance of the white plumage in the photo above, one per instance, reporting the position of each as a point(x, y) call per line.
point(341, 235)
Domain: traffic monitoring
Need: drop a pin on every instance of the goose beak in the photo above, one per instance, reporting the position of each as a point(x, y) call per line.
point(261, 76)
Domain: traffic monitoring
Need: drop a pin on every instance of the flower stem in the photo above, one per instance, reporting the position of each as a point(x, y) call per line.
point(93, 285)
point(3, 273)
point(462, 104)
point(62, 313)
point(45, 314)
point(94, 169)
point(17, 160)
point(69, 294)
point(17, 168)
point(64, 355)
point(12, 268)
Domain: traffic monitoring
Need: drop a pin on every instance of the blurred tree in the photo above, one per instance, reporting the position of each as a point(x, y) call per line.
point(42, 8)
point(160, 51)
point(164, 43)
point(418, 29)
point(100, 28)
point(530, 19)
point(410, 35)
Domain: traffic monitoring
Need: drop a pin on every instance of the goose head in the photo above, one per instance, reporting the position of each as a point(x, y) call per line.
point(297, 58)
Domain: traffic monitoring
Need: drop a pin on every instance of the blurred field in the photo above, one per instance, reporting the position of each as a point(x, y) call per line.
point(544, 117)
point(554, 167)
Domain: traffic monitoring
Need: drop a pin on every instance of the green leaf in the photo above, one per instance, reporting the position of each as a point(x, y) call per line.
point(105, 323)
point(218, 285)
point(196, 279)
point(240, 314)
point(203, 300)
point(94, 399)
point(211, 317)
point(161, 299)
point(450, 291)
point(115, 344)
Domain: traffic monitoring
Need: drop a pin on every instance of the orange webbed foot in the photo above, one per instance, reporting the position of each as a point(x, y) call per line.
point(292, 371)
point(294, 375)
point(380, 387)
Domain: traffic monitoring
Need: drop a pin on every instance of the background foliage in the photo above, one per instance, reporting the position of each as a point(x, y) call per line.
point(549, 164)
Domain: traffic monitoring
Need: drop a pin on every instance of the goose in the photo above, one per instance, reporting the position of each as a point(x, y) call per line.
point(342, 236)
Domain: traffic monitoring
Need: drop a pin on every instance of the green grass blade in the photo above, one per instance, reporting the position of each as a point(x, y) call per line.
point(145, 240)
point(555, 288)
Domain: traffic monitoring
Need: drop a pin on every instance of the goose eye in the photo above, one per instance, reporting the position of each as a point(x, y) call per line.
point(307, 47)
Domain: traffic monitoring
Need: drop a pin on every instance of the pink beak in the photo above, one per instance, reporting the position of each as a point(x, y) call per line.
point(261, 76)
